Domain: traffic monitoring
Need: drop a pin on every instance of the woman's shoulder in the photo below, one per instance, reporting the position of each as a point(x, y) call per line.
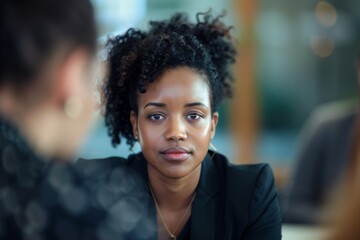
point(259, 176)
point(256, 181)
point(247, 183)
point(252, 197)
point(251, 173)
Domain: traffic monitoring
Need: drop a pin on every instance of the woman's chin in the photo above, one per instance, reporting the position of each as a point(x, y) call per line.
point(176, 172)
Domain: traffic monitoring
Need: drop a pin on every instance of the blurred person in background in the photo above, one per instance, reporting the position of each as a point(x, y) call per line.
point(163, 90)
point(322, 162)
point(47, 50)
point(345, 221)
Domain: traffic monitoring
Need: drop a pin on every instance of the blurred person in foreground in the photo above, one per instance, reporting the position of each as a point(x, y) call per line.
point(322, 162)
point(47, 50)
point(163, 90)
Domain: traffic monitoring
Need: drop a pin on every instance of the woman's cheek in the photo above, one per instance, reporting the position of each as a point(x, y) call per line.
point(149, 134)
point(203, 130)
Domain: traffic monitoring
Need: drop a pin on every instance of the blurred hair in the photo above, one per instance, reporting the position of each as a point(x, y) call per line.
point(31, 32)
point(137, 58)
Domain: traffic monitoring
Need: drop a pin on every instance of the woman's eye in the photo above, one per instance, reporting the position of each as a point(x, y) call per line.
point(194, 116)
point(156, 117)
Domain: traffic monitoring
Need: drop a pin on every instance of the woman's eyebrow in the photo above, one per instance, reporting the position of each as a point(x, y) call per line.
point(193, 104)
point(155, 104)
point(158, 104)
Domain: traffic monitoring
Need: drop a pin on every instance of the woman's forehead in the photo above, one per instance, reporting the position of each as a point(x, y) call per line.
point(181, 84)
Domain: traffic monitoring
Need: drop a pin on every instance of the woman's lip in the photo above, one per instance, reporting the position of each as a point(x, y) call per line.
point(175, 154)
point(175, 150)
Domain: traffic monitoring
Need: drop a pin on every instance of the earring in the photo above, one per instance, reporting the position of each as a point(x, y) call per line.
point(133, 146)
point(214, 150)
point(73, 107)
point(213, 147)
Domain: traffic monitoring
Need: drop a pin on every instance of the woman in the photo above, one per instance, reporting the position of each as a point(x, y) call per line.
point(163, 90)
point(45, 104)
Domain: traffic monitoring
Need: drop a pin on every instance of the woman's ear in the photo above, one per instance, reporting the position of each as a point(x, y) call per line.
point(214, 121)
point(133, 120)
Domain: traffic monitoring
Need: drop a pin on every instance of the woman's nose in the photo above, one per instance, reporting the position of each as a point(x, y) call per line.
point(176, 130)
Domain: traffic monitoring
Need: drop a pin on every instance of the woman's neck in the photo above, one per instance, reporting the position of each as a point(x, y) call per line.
point(173, 194)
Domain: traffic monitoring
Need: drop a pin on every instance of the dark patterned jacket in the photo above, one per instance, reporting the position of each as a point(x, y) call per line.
point(41, 199)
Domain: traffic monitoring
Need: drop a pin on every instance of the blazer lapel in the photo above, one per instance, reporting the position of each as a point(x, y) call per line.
point(206, 205)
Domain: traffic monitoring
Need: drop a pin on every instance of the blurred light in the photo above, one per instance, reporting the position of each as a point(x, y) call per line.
point(326, 14)
point(273, 29)
point(118, 15)
point(321, 46)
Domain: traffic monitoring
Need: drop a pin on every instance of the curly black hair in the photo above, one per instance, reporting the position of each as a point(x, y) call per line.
point(137, 58)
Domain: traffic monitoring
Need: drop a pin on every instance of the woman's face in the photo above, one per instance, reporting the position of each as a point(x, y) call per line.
point(174, 123)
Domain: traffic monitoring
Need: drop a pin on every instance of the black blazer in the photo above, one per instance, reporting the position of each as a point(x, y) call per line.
point(232, 201)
